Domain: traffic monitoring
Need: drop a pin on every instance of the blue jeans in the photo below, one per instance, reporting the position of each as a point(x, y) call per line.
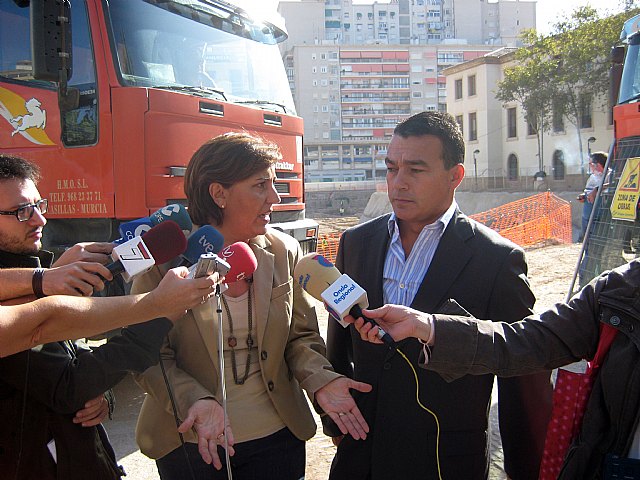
point(587, 207)
point(280, 456)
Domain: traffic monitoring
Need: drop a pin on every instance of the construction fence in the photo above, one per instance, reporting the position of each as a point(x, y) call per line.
point(536, 220)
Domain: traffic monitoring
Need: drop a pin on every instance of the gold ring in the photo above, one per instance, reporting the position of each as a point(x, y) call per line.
point(341, 414)
point(220, 436)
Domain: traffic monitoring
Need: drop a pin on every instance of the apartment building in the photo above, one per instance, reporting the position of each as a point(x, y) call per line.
point(351, 98)
point(356, 70)
point(502, 147)
point(407, 22)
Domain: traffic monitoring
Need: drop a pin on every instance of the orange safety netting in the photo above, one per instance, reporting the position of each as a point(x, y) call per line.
point(328, 245)
point(530, 221)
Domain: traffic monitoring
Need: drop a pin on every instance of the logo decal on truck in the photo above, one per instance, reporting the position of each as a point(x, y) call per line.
point(26, 117)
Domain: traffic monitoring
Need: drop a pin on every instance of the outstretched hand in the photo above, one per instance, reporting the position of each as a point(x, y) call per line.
point(176, 293)
point(336, 400)
point(397, 320)
point(206, 417)
point(93, 413)
point(97, 252)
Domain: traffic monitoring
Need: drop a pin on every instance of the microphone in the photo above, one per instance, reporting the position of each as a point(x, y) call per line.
point(242, 260)
point(159, 245)
point(135, 228)
point(174, 212)
point(339, 293)
point(206, 239)
point(236, 262)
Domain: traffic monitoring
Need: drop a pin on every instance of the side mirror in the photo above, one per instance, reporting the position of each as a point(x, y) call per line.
point(51, 47)
point(615, 73)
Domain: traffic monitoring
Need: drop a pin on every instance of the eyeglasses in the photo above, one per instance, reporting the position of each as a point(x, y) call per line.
point(25, 212)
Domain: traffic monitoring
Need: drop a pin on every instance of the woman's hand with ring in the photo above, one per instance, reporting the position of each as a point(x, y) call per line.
point(336, 400)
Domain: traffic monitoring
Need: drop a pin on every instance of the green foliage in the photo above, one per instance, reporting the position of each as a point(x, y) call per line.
point(562, 69)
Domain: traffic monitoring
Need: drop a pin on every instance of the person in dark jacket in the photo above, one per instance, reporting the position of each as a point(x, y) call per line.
point(424, 253)
point(564, 334)
point(51, 397)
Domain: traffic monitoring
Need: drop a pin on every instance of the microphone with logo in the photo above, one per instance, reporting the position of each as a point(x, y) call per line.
point(204, 240)
point(236, 262)
point(340, 294)
point(135, 228)
point(159, 245)
point(242, 260)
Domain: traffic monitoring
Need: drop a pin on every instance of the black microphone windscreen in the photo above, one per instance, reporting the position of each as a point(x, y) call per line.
point(165, 241)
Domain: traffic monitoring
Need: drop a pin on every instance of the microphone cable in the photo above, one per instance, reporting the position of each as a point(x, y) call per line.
point(224, 394)
point(175, 416)
point(223, 383)
point(435, 417)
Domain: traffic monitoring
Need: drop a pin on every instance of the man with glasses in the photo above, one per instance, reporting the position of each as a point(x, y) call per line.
point(41, 389)
point(22, 210)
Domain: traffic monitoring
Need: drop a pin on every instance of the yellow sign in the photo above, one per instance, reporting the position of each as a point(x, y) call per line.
point(627, 193)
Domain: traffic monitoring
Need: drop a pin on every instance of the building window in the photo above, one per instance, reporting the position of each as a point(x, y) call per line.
point(460, 121)
point(473, 127)
point(458, 86)
point(585, 112)
point(471, 85)
point(557, 120)
point(557, 164)
point(323, 69)
point(531, 127)
point(512, 130)
point(512, 167)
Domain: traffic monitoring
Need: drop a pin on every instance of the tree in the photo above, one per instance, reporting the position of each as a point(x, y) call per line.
point(567, 70)
point(527, 84)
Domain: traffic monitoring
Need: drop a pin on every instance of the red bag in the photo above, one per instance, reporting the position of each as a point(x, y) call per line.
point(570, 397)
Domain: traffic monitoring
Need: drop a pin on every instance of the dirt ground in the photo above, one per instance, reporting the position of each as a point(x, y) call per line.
point(550, 272)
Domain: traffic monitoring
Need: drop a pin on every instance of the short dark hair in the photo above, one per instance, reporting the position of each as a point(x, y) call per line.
point(225, 159)
point(12, 167)
point(599, 157)
point(438, 124)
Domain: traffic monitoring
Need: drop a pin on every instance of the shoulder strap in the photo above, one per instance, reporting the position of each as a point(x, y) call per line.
point(607, 335)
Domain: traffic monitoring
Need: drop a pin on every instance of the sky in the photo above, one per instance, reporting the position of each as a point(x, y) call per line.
point(547, 11)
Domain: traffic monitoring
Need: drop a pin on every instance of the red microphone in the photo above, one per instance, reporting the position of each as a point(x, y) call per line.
point(242, 260)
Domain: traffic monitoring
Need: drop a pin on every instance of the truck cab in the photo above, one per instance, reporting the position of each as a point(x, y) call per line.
point(143, 85)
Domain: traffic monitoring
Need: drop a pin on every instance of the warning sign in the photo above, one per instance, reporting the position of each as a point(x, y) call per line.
point(627, 193)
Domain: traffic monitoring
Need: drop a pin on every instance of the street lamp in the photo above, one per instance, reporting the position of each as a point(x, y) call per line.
point(475, 166)
point(590, 140)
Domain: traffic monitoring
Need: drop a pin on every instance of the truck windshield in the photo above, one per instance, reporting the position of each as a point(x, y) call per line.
point(630, 84)
point(199, 47)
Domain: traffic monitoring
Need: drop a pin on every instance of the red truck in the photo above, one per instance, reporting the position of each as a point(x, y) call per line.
point(111, 99)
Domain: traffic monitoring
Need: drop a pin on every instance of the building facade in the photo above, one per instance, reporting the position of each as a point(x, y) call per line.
point(356, 70)
point(352, 97)
point(502, 148)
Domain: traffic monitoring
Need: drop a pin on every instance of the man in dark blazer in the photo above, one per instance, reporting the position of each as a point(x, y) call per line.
point(423, 254)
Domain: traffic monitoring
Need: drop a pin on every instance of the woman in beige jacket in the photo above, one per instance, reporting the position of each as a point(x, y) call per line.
point(272, 346)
